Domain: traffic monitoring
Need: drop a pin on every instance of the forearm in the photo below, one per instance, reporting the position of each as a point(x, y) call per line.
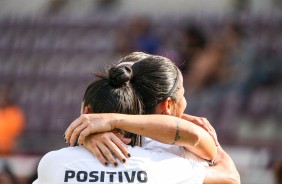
point(162, 128)
point(224, 170)
point(170, 130)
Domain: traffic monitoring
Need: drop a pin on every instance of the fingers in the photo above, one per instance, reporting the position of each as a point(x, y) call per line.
point(119, 149)
point(204, 123)
point(76, 135)
point(116, 151)
point(78, 130)
point(106, 147)
point(83, 134)
point(107, 154)
point(97, 152)
point(210, 130)
point(71, 128)
point(97, 145)
point(87, 124)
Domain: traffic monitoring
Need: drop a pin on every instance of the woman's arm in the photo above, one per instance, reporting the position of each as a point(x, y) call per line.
point(162, 128)
point(202, 122)
point(223, 171)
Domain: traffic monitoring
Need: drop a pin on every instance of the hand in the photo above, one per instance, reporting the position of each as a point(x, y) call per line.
point(105, 145)
point(88, 124)
point(204, 123)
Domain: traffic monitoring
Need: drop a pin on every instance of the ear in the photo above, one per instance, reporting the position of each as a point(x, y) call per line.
point(168, 104)
point(87, 110)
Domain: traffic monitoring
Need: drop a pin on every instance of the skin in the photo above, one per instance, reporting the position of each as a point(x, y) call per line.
point(178, 131)
point(223, 171)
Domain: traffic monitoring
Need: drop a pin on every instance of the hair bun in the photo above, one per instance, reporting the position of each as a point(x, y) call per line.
point(119, 76)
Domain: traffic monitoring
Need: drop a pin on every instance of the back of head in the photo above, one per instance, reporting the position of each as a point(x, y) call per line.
point(135, 86)
point(134, 57)
point(113, 93)
point(154, 78)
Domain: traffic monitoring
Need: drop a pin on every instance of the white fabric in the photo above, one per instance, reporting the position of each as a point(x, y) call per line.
point(77, 165)
point(151, 144)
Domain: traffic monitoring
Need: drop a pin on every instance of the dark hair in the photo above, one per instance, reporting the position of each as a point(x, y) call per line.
point(113, 93)
point(155, 78)
point(133, 89)
point(134, 57)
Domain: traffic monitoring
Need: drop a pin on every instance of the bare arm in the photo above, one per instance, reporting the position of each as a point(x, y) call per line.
point(223, 171)
point(162, 128)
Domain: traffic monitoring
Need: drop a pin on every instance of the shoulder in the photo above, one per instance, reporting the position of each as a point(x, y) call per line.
point(64, 155)
point(169, 167)
point(53, 162)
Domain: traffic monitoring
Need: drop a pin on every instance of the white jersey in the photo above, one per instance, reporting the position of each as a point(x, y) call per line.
point(150, 144)
point(77, 165)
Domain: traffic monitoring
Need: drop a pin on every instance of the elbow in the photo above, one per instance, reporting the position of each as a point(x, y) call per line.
point(236, 178)
point(229, 179)
point(209, 150)
point(233, 181)
point(233, 177)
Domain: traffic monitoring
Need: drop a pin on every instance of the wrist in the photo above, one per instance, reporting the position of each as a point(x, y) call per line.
point(116, 120)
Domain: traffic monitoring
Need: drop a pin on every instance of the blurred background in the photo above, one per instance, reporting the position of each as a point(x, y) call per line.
point(230, 53)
